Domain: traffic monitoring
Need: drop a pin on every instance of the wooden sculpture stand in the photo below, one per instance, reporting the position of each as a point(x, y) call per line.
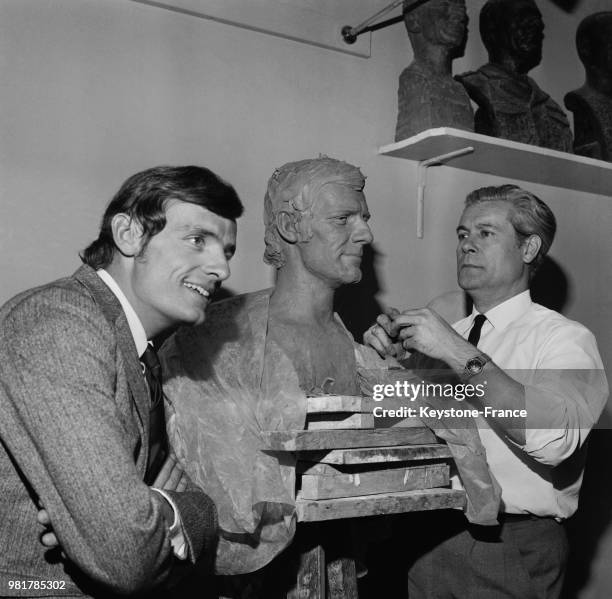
point(358, 473)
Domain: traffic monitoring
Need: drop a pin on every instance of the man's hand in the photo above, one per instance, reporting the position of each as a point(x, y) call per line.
point(382, 335)
point(171, 477)
point(423, 329)
point(47, 538)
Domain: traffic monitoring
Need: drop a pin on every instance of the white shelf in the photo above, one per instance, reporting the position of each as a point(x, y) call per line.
point(503, 158)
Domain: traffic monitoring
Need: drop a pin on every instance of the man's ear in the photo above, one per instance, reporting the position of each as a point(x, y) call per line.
point(530, 248)
point(287, 225)
point(127, 234)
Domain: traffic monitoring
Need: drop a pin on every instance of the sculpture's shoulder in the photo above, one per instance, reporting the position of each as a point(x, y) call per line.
point(478, 79)
point(232, 326)
point(587, 97)
point(236, 307)
point(414, 74)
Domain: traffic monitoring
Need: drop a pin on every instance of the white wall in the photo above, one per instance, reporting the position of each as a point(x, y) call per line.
point(94, 91)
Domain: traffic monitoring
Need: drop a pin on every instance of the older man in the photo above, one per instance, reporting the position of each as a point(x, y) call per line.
point(82, 427)
point(539, 366)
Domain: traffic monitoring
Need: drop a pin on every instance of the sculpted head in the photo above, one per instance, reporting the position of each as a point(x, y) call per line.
point(512, 32)
point(438, 23)
point(594, 43)
point(315, 217)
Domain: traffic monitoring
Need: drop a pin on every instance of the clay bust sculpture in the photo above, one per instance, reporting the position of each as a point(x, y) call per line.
point(428, 96)
point(511, 105)
point(251, 365)
point(592, 103)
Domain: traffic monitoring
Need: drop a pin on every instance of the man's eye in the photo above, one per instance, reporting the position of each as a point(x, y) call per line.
point(197, 240)
point(461, 236)
point(341, 220)
point(486, 233)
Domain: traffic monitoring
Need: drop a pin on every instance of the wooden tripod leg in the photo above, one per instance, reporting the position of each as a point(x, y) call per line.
point(342, 579)
point(311, 575)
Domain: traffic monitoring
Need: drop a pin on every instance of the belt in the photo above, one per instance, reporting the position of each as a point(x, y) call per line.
point(505, 517)
point(492, 533)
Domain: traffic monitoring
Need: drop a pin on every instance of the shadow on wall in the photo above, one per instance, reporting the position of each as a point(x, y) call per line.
point(356, 304)
point(550, 286)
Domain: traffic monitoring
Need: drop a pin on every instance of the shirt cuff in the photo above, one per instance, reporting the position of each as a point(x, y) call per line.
point(176, 532)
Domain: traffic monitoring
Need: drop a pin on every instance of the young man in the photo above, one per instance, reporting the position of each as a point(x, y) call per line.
point(531, 359)
point(82, 429)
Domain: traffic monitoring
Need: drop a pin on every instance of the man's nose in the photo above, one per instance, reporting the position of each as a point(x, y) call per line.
point(217, 265)
point(466, 245)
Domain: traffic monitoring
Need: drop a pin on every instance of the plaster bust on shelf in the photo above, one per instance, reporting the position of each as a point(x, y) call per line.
point(511, 105)
point(592, 103)
point(251, 365)
point(428, 96)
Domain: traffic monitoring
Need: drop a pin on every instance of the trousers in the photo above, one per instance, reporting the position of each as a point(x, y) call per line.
point(523, 558)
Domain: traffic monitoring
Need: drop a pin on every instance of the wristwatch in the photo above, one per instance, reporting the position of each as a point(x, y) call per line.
point(475, 365)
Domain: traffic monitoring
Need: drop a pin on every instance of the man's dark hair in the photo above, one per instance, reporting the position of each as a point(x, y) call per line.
point(145, 195)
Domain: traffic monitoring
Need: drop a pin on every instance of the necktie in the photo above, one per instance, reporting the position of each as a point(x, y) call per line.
point(158, 439)
point(474, 336)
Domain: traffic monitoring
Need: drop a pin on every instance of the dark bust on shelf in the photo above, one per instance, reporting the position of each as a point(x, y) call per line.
point(428, 96)
point(510, 103)
point(592, 103)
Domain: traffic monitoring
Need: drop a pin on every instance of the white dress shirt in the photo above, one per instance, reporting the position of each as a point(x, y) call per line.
point(557, 361)
point(177, 536)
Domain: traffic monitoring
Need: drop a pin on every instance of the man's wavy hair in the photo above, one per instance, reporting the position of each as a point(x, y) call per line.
point(294, 188)
point(145, 196)
point(529, 215)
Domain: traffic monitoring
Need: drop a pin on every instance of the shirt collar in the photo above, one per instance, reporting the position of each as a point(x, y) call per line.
point(136, 328)
point(506, 312)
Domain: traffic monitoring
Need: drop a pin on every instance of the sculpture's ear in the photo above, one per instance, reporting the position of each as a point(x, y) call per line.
point(287, 226)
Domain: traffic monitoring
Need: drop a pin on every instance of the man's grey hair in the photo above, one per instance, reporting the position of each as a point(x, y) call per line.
point(294, 188)
point(529, 215)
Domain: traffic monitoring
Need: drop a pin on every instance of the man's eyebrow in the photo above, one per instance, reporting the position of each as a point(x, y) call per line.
point(195, 229)
point(487, 224)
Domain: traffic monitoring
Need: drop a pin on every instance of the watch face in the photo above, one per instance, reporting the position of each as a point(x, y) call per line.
point(475, 365)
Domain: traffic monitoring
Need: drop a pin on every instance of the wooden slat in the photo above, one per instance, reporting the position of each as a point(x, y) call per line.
point(309, 510)
point(339, 403)
point(345, 439)
point(411, 478)
point(310, 582)
point(338, 421)
point(342, 579)
point(374, 455)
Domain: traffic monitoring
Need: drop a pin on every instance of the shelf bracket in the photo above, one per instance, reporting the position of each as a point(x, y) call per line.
point(422, 181)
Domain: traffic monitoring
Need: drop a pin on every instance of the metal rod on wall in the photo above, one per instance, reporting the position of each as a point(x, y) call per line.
point(350, 34)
